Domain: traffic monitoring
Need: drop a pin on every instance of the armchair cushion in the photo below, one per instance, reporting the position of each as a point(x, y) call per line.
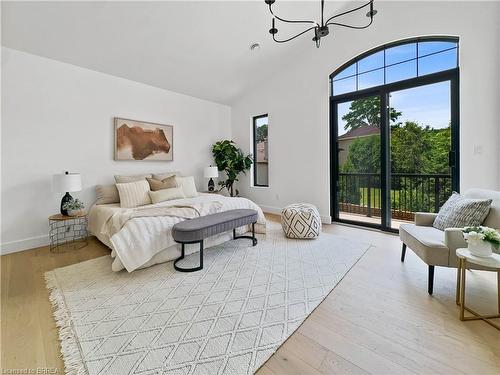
point(427, 242)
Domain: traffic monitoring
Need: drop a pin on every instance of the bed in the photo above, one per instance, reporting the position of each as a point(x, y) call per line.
point(145, 241)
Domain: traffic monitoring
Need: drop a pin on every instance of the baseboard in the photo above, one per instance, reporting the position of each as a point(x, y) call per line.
point(277, 211)
point(25, 244)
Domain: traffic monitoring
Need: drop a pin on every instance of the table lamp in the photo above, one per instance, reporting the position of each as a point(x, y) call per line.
point(211, 172)
point(66, 182)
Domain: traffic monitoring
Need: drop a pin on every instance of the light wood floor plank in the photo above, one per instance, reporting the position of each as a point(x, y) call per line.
point(378, 320)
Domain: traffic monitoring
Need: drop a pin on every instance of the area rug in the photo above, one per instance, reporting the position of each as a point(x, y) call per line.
point(228, 318)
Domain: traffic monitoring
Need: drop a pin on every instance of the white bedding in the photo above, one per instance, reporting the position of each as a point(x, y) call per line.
point(145, 241)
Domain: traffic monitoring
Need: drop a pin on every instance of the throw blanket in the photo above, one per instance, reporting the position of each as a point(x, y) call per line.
point(188, 211)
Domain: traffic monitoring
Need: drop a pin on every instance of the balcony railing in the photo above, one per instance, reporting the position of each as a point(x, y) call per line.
point(360, 193)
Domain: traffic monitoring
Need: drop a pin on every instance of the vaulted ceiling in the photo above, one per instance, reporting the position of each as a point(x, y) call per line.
point(199, 48)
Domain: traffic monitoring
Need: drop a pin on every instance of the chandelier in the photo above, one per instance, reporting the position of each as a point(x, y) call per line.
point(320, 29)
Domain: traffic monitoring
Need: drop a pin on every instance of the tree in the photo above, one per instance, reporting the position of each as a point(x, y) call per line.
point(261, 133)
point(364, 155)
point(409, 148)
point(366, 112)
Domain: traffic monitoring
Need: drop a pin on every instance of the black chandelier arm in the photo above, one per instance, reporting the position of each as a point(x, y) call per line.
point(288, 21)
point(349, 11)
point(349, 26)
point(293, 37)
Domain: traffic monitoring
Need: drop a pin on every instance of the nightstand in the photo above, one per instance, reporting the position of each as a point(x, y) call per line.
point(68, 232)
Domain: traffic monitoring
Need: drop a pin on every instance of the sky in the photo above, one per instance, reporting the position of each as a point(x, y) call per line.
point(427, 105)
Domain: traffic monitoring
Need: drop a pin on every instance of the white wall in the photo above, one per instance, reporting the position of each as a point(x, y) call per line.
point(59, 117)
point(297, 99)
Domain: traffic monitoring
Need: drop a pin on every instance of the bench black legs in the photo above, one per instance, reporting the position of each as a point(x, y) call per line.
point(200, 267)
point(403, 253)
point(252, 237)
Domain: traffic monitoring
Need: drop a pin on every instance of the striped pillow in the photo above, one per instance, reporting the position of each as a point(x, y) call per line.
point(133, 194)
point(459, 212)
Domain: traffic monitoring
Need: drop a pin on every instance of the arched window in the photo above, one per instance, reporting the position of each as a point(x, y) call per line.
point(394, 132)
point(395, 62)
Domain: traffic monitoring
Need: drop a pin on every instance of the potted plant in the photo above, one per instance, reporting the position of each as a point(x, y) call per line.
point(231, 160)
point(481, 240)
point(74, 207)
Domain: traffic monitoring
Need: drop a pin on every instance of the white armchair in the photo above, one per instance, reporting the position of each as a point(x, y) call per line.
point(436, 247)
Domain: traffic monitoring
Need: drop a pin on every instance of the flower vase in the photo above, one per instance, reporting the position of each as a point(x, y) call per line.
point(480, 248)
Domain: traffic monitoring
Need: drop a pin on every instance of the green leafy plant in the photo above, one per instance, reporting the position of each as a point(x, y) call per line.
point(73, 205)
point(232, 161)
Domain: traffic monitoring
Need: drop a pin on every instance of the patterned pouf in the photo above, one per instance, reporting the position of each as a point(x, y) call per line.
point(301, 220)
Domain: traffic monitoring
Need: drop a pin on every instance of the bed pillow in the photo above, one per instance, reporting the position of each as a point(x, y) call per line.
point(119, 179)
point(134, 194)
point(162, 176)
point(107, 194)
point(166, 183)
point(188, 186)
point(459, 212)
point(163, 195)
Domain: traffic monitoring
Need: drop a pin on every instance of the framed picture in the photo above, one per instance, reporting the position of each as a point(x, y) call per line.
point(140, 140)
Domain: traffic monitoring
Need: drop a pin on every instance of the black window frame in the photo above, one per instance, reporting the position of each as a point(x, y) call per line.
point(254, 141)
point(451, 75)
point(354, 61)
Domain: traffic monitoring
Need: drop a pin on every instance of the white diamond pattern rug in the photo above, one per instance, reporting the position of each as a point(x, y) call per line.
point(228, 318)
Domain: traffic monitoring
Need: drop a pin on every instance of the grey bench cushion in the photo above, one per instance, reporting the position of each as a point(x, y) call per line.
point(210, 225)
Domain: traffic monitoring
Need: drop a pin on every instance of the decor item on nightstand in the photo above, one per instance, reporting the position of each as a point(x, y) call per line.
point(139, 140)
point(301, 220)
point(66, 182)
point(74, 207)
point(231, 160)
point(481, 240)
point(211, 172)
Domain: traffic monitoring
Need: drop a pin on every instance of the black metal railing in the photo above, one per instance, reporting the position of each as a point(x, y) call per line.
point(360, 193)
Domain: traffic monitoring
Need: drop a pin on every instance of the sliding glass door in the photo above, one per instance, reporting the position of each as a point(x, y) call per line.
point(358, 164)
point(394, 132)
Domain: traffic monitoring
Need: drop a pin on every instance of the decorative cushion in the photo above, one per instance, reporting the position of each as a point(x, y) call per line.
point(459, 212)
point(301, 220)
point(132, 178)
point(107, 194)
point(163, 195)
point(133, 194)
point(188, 186)
point(166, 183)
point(162, 176)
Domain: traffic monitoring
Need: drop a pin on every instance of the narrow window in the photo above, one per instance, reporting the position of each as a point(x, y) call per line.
point(260, 151)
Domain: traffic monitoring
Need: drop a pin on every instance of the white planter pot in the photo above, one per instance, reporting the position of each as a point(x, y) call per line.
point(480, 248)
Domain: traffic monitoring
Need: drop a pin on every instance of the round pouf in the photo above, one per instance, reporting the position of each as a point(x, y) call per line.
point(301, 220)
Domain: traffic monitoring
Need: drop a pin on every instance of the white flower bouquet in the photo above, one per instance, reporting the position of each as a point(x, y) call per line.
point(481, 240)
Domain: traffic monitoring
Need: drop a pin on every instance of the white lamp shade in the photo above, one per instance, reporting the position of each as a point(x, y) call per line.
point(211, 172)
point(67, 182)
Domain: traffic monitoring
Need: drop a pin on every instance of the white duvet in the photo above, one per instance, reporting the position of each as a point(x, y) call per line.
point(145, 241)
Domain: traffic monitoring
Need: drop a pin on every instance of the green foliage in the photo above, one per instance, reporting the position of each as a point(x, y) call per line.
point(366, 112)
point(73, 205)
point(231, 160)
point(261, 133)
point(364, 155)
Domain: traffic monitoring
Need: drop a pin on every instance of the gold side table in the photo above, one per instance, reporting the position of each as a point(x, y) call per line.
point(68, 232)
point(493, 262)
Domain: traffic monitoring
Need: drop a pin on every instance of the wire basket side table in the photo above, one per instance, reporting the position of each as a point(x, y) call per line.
point(68, 232)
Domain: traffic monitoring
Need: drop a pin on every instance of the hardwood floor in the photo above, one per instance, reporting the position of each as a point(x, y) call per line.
point(378, 320)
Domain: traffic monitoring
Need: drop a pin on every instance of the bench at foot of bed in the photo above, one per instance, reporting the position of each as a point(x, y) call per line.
point(196, 230)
